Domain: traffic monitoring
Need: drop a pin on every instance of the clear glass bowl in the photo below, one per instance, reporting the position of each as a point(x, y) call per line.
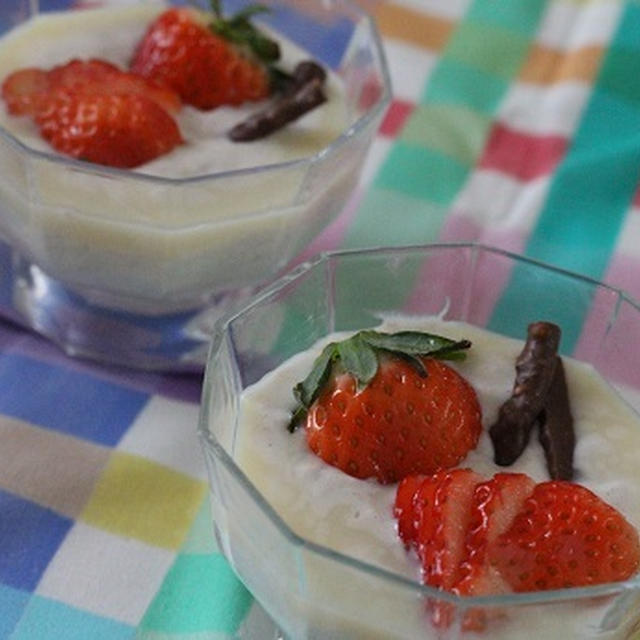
point(133, 268)
point(313, 592)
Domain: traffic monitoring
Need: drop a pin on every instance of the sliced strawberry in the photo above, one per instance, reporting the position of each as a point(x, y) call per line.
point(25, 89)
point(478, 537)
point(21, 88)
point(187, 50)
point(407, 510)
point(495, 504)
point(100, 76)
point(114, 130)
point(442, 530)
point(565, 536)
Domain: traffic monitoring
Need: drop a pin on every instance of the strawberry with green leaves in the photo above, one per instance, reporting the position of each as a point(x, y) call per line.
point(385, 406)
point(209, 60)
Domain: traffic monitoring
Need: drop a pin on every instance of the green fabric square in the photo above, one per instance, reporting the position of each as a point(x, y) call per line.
point(522, 17)
point(619, 74)
point(454, 82)
point(199, 593)
point(629, 27)
point(613, 132)
point(389, 218)
point(457, 131)
point(422, 173)
point(490, 49)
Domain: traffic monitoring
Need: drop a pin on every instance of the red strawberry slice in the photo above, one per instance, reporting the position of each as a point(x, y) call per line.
point(121, 130)
point(437, 528)
point(495, 504)
point(565, 536)
point(25, 89)
point(20, 88)
point(100, 76)
point(442, 529)
point(181, 50)
point(479, 537)
point(408, 507)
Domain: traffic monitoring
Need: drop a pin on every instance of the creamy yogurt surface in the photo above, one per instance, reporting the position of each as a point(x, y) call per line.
point(112, 34)
point(153, 246)
point(354, 516)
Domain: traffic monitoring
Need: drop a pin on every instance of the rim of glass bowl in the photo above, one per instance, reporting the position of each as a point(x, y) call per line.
point(353, 131)
point(209, 441)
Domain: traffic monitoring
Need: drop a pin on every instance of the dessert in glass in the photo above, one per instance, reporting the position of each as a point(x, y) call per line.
point(334, 557)
point(132, 265)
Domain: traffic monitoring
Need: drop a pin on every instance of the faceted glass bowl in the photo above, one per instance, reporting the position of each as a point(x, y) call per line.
point(313, 592)
point(132, 268)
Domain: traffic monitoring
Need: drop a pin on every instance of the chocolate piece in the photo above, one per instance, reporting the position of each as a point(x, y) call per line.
point(535, 369)
point(303, 91)
point(306, 71)
point(556, 428)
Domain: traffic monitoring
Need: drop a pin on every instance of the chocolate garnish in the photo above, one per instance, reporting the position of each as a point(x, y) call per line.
point(535, 369)
point(556, 428)
point(302, 91)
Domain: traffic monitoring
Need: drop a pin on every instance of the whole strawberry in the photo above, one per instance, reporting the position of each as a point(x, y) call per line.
point(207, 59)
point(120, 130)
point(384, 406)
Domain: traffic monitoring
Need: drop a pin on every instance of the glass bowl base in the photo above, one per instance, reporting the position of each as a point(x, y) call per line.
point(176, 341)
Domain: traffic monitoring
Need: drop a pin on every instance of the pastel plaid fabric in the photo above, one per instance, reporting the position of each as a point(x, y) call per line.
point(515, 123)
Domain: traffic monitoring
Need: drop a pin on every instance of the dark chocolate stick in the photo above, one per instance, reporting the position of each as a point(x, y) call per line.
point(304, 93)
point(535, 368)
point(556, 428)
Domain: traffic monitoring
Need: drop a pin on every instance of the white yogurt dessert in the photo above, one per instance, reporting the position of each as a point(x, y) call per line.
point(166, 236)
point(111, 34)
point(355, 517)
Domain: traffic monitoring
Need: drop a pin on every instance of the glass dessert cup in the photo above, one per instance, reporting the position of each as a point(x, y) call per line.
point(314, 592)
point(129, 268)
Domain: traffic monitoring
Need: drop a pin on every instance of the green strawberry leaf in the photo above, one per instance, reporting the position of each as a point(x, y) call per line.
point(358, 358)
point(411, 342)
point(309, 388)
point(239, 29)
point(358, 355)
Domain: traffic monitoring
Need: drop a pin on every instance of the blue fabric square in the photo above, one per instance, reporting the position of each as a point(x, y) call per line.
point(47, 619)
point(325, 41)
point(66, 400)
point(29, 537)
point(12, 604)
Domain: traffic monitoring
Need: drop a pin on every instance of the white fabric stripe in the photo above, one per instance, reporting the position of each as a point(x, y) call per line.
point(491, 198)
point(375, 157)
point(410, 67)
point(105, 574)
point(552, 110)
point(165, 432)
point(629, 234)
point(567, 26)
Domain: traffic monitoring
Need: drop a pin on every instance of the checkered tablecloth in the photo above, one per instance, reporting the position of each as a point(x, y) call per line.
point(515, 123)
